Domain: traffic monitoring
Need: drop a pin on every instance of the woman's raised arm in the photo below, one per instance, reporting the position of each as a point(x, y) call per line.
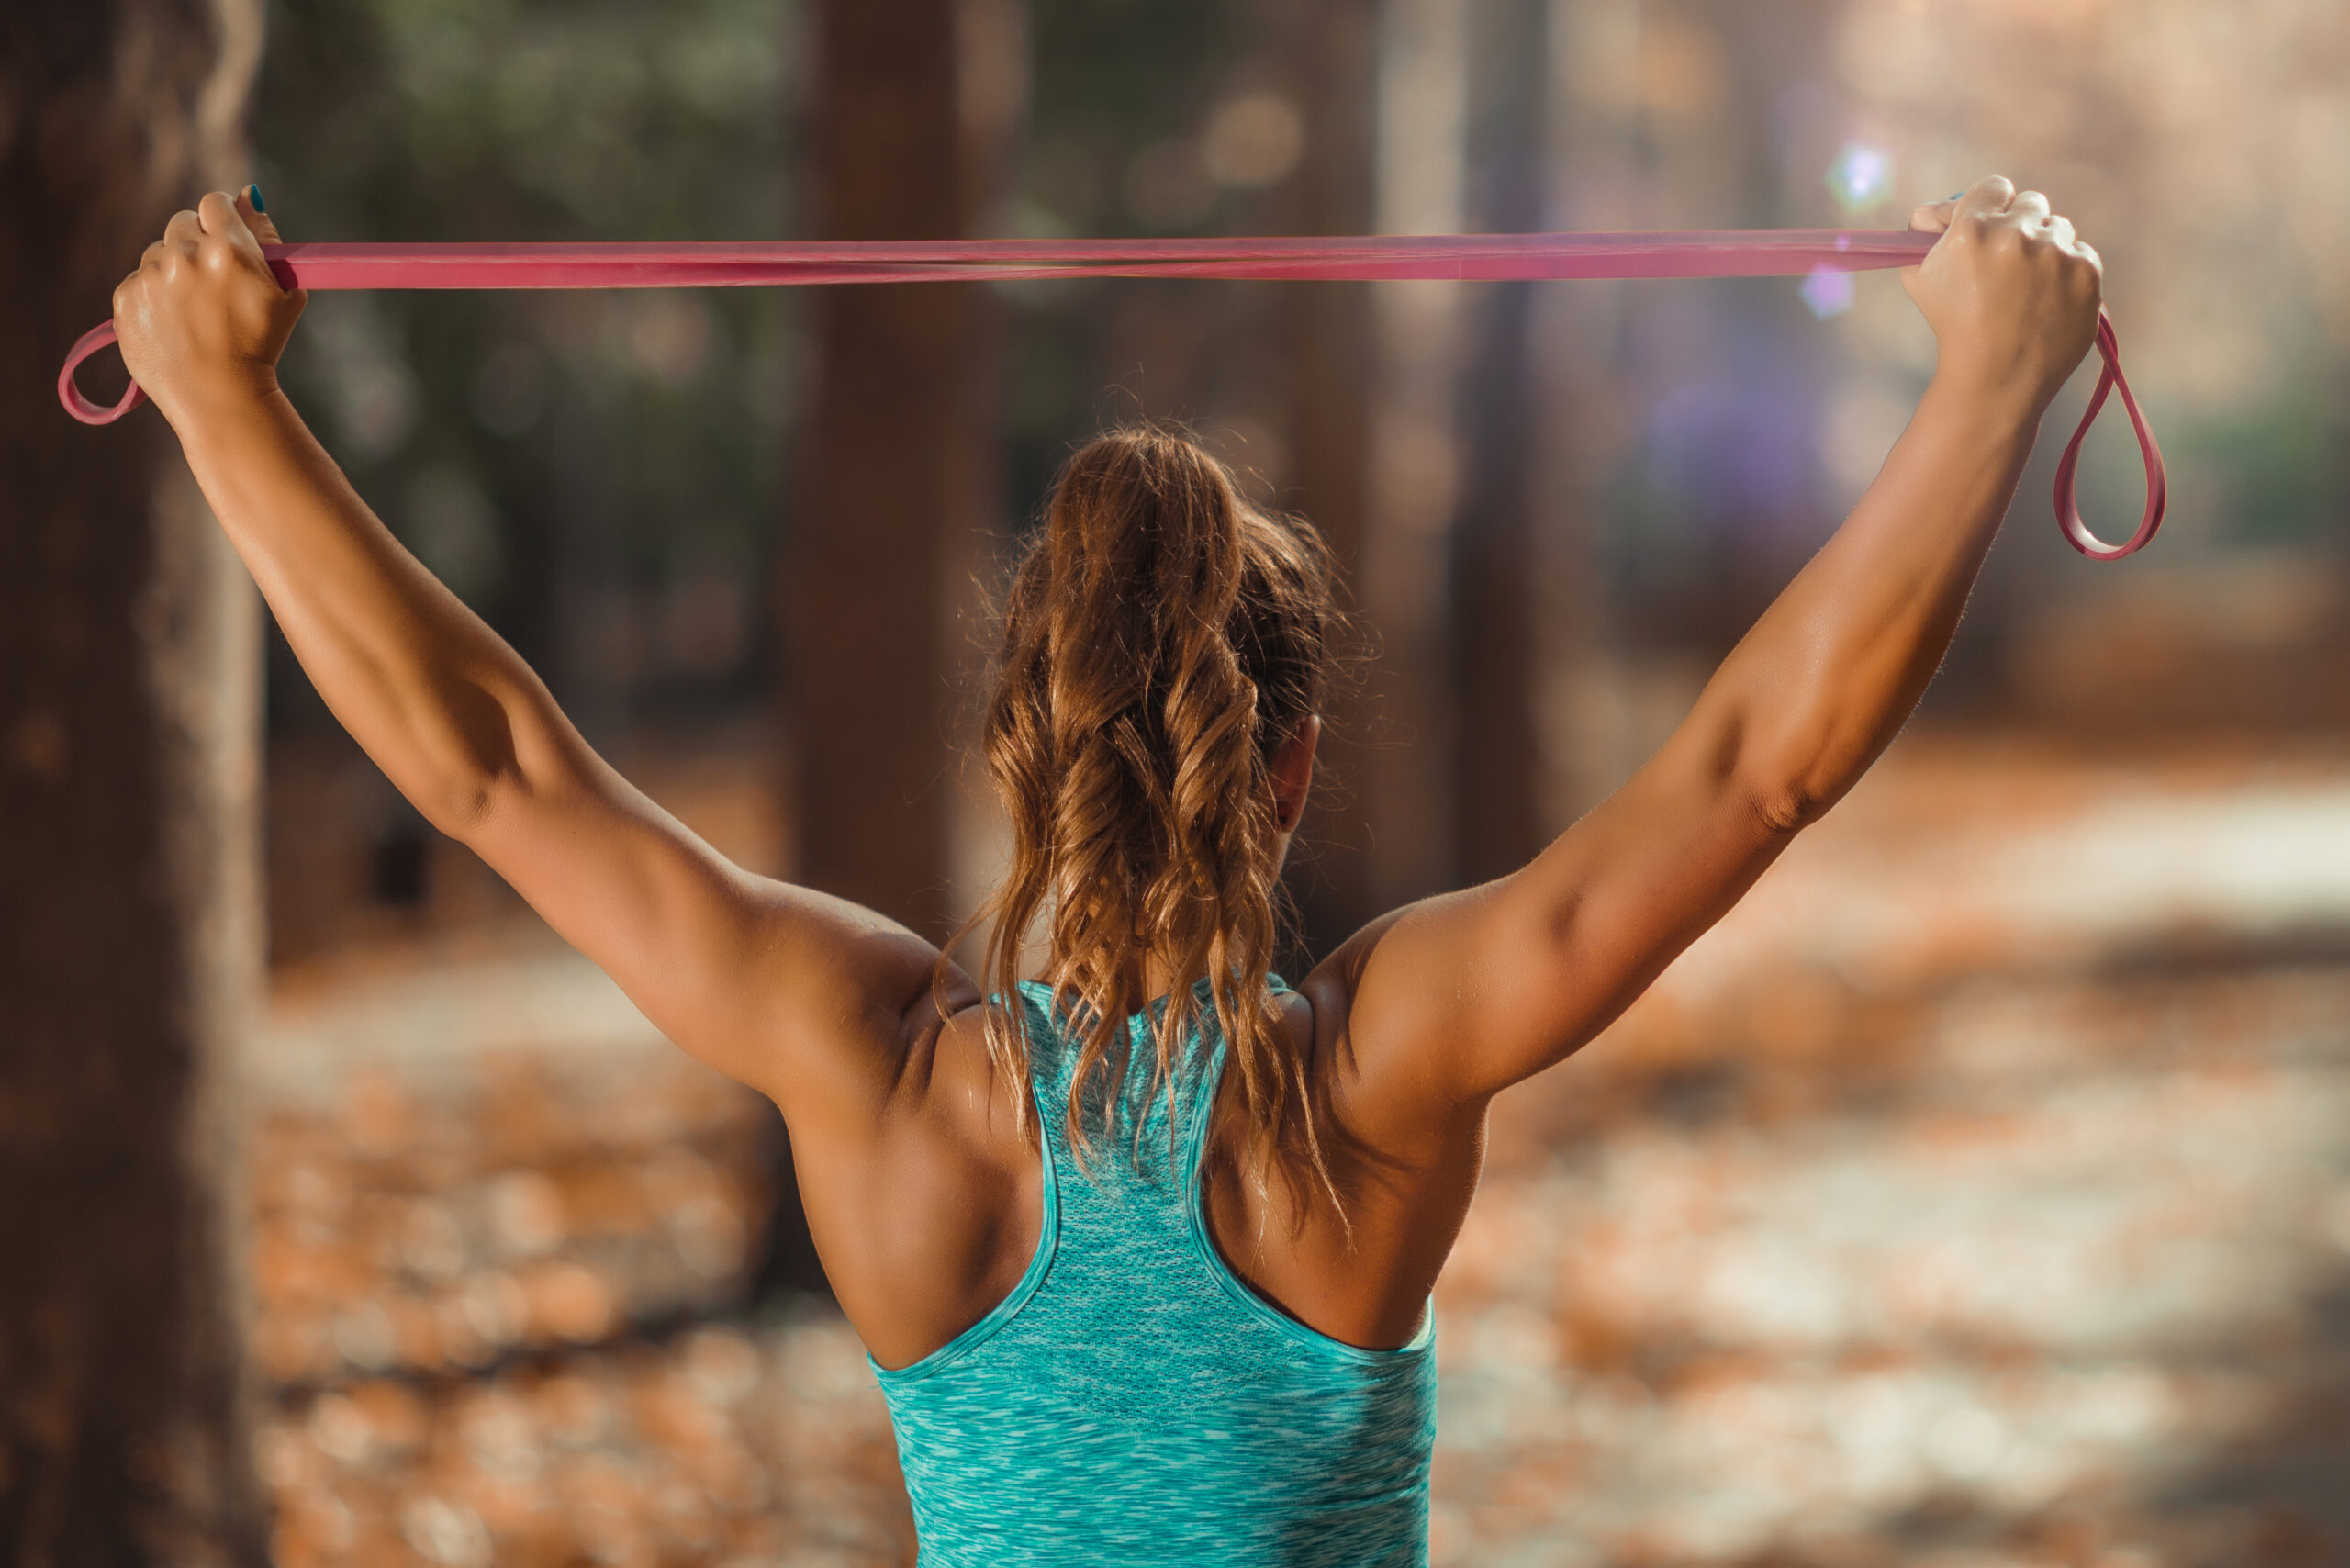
point(809, 998)
point(1459, 996)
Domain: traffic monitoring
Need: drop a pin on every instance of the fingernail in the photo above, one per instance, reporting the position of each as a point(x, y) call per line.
point(258, 205)
point(1953, 197)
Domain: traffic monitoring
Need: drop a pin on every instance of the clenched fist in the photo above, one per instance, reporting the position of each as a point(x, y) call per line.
point(2010, 291)
point(202, 319)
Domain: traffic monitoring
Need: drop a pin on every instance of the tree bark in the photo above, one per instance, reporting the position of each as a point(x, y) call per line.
point(915, 102)
point(129, 691)
point(1325, 52)
point(1415, 460)
point(914, 99)
point(1497, 649)
point(1596, 729)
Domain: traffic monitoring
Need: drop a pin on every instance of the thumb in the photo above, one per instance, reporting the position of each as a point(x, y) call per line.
point(249, 208)
point(1934, 217)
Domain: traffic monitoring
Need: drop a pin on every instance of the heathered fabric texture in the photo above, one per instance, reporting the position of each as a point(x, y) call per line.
point(1132, 1401)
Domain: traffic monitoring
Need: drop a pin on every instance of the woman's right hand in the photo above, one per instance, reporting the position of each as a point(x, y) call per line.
point(202, 319)
point(2010, 291)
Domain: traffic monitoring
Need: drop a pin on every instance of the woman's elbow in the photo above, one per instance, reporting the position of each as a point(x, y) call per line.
point(460, 807)
point(1789, 788)
point(1786, 782)
point(1785, 808)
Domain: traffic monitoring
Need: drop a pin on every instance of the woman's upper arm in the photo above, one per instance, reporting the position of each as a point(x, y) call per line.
point(810, 999)
point(1457, 997)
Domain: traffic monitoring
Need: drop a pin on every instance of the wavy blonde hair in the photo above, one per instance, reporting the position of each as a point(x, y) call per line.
point(1162, 639)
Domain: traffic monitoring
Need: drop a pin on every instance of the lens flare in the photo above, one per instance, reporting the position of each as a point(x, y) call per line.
point(1829, 291)
point(1861, 177)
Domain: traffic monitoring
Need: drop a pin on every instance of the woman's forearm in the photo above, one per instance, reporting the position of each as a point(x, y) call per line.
point(436, 698)
point(1829, 674)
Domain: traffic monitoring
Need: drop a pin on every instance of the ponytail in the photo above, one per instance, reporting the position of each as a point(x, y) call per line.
point(1162, 640)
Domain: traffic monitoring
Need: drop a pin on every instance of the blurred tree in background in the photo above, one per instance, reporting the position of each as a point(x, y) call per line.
point(596, 473)
point(606, 475)
point(600, 474)
point(129, 951)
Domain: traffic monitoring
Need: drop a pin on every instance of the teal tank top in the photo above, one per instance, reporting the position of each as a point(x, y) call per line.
point(1132, 1401)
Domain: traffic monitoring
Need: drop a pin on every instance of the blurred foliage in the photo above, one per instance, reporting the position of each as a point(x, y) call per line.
point(601, 475)
point(1108, 78)
point(581, 468)
point(1120, 93)
point(2281, 474)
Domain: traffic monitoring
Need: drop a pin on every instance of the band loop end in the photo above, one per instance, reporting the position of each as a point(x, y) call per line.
point(2068, 513)
point(78, 406)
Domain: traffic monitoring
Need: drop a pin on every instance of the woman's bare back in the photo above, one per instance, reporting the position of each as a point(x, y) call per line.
point(965, 1206)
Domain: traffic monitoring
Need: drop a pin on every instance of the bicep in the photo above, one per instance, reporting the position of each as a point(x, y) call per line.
point(806, 997)
point(1475, 990)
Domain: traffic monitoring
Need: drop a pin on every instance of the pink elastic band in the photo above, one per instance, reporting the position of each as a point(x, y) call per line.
point(1766, 253)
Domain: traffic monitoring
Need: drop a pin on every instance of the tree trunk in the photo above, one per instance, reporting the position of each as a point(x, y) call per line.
point(915, 100)
point(1326, 52)
point(1415, 459)
point(129, 685)
point(898, 457)
point(1498, 816)
point(1596, 729)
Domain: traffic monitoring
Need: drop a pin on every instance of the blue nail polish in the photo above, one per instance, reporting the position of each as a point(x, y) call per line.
point(258, 205)
point(1953, 197)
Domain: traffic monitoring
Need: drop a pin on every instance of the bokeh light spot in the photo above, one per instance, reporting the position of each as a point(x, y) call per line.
point(1829, 291)
point(1861, 177)
point(1254, 141)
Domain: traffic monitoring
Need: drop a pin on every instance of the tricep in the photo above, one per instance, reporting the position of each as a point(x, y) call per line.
point(1501, 981)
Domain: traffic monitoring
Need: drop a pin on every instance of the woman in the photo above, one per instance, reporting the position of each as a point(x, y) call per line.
point(1142, 1253)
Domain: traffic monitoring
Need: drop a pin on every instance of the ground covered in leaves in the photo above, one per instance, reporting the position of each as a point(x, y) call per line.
point(1976, 1196)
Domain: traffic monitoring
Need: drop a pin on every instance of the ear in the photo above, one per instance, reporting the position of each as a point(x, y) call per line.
point(1293, 772)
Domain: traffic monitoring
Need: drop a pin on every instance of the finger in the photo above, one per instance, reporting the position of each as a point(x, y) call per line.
point(217, 214)
point(1990, 194)
point(264, 227)
point(2031, 205)
point(183, 232)
point(126, 292)
point(2087, 252)
point(1933, 217)
point(225, 227)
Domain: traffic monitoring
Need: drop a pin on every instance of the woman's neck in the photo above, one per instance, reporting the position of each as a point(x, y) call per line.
point(1143, 981)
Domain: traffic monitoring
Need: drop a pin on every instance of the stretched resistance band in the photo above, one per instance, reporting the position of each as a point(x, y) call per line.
point(1767, 252)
